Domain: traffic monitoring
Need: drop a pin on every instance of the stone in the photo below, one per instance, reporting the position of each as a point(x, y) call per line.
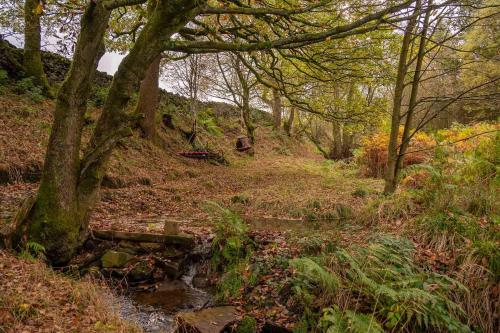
point(151, 247)
point(142, 270)
point(173, 269)
point(172, 252)
point(181, 240)
point(115, 259)
point(171, 227)
point(200, 281)
point(209, 320)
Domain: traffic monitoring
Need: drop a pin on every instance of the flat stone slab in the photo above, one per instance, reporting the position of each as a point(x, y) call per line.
point(181, 240)
point(209, 320)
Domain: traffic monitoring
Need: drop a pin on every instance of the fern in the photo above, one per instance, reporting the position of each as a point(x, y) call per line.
point(311, 271)
point(382, 279)
point(335, 321)
point(32, 251)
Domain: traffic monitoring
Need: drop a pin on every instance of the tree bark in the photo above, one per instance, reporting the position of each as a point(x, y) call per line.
point(148, 100)
point(392, 158)
point(55, 220)
point(405, 139)
point(276, 107)
point(336, 152)
point(32, 58)
point(289, 124)
point(247, 117)
point(69, 185)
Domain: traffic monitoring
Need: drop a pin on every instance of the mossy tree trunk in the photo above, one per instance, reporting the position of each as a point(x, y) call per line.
point(247, 116)
point(276, 107)
point(246, 112)
point(32, 58)
point(289, 123)
point(70, 184)
point(55, 220)
point(148, 100)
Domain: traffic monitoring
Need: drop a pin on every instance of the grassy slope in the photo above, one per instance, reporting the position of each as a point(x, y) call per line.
point(285, 178)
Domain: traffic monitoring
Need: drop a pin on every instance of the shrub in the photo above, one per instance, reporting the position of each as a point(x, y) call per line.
point(231, 243)
point(231, 250)
point(28, 87)
point(4, 77)
point(99, 95)
point(372, 156)
point(208, 121)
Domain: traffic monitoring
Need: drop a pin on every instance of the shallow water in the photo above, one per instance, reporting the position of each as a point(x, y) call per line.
point(291, 225)
point(154, 311)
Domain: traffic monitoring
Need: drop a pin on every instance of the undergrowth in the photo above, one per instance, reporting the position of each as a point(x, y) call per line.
point(375, 288)
point(231, 250)
point(450, 206)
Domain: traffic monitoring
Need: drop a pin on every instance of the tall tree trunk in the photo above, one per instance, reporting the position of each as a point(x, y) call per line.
point(337, 144)
point(289, 123)
point(247, 120)
point(347, 141)
point(246, 112)
point(276, 107)
point(69, 186)
point(405, 140)
point(55, 220)
point(148, 100)
point(392, 158)
point(32, 58)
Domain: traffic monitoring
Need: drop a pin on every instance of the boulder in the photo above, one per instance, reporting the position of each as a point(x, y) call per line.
point(173, 253)
point(115, 259)
point(210, 320)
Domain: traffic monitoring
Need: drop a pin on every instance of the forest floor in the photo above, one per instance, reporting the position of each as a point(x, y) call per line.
point(285, 178)
point(282, 189)
point(293, 199)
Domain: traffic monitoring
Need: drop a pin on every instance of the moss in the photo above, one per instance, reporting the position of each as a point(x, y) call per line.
point(247, 325)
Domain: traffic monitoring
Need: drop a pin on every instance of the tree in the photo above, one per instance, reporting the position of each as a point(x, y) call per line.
point(289, 122)
point(392, 159)
point(32, 61)
point(434, 34)
point(148, 101)
point(237, 85)
point(190, 75)
point(70, 184)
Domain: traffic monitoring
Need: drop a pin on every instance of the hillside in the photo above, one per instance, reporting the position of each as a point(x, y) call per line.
point(280, 239)
point(145, 180)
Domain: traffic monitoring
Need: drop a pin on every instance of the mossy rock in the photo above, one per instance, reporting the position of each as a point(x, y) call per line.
point(143, 270)
point(115, 259)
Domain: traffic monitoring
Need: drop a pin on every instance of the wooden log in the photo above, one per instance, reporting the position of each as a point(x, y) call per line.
point(181, 240)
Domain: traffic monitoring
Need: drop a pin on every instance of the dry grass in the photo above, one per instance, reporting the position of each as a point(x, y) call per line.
point(33, 298)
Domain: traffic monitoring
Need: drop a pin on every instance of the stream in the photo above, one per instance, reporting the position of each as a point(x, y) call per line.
point(154, 311)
